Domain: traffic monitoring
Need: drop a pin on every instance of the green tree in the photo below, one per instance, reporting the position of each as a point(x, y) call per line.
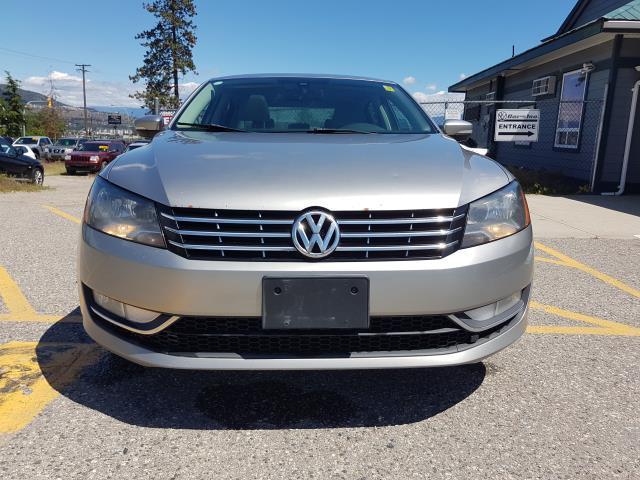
point(169, 47)
point(12, 111)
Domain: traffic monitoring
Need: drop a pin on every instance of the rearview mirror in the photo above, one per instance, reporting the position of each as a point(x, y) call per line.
point(149, 125)
point(460, 130)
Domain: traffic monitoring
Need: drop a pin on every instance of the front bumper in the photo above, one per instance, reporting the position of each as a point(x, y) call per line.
point(82, 166)
point(158, 280)
point(57, 155)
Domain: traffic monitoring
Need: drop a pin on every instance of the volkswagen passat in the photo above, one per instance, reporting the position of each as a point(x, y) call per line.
point(304, 222)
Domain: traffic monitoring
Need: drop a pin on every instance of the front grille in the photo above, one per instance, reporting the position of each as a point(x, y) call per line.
point(205, 234)
point(245, 336)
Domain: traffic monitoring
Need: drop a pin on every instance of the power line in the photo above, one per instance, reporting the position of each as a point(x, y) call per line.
point(83, 69)
point(17, 52)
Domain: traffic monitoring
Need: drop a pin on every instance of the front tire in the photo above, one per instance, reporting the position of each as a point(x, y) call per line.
point(37, 176)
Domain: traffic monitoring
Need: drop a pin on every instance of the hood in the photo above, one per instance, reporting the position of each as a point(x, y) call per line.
point(294, 171)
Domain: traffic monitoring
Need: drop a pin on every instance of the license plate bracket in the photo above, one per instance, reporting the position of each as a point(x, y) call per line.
point(314, 303)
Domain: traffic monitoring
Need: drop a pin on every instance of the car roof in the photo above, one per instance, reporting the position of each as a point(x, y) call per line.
point(302, 75)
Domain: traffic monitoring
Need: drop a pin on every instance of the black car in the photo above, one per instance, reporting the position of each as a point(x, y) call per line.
point(14, 164)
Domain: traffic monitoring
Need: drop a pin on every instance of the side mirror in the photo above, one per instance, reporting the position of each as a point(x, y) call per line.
point(460, 130)
point(149, 125)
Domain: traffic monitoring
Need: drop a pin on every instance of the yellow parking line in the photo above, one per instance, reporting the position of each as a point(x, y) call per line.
point(570, 262)
point(550, 260)
point(603, 327)
point(20, 310)
point(24, 389)
point(62, 214)
point(39, 318)
point(13, 298)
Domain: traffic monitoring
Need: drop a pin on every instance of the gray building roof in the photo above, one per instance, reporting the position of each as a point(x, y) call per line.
point(566, 35)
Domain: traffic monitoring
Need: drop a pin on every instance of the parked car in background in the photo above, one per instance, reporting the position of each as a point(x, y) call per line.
point(37, 143)
point(93, 156)
point(136, 144)
point(26, 150)
point(63, 147)
point(14, 164)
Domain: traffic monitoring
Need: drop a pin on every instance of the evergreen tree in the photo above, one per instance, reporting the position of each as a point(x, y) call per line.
point(169, 47)
point(12, 111)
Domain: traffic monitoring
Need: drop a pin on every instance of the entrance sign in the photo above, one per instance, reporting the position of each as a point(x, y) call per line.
point(521, 125)
point(167, 115)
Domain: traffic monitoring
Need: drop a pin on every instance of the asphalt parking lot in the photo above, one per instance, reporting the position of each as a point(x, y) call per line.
point(561, 403)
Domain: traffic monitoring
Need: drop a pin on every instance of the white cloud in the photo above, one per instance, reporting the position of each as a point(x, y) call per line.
point(68, 89)
point(440, 96)
point(463, 76)
point(410, 80)
point(421, 97)
point(431, 87)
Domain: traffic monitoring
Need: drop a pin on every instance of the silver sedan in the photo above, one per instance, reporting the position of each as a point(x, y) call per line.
point(304, 222)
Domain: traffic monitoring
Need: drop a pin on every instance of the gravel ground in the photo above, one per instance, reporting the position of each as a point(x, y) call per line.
point(550, 406)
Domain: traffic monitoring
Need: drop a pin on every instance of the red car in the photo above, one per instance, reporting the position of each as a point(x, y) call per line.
point(93, 156)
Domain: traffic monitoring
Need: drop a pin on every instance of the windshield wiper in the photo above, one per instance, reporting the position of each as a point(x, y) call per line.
point(335, 130)
point(210, 127)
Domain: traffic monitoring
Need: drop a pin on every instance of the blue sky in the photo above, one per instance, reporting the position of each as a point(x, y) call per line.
point(428, 43)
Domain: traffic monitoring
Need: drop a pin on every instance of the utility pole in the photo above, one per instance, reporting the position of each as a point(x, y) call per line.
point(83, 69)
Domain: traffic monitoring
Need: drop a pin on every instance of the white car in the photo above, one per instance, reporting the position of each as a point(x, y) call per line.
point(37, 143)
point(26, 150)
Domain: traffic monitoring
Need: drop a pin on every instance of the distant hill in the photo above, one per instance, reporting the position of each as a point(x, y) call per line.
point(132, 111)
point(29, 96)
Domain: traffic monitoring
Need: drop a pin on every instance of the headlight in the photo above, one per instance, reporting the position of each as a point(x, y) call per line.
point(67, 157)
point(94, 158)
point(123, 214)
point(497, 215)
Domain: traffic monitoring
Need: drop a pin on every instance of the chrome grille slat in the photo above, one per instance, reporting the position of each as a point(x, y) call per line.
point(231, 248)
point(393, 248)
point(426, 233)
point(217, 233)
point(239, 221)
point(208, 234)
point(393, 221)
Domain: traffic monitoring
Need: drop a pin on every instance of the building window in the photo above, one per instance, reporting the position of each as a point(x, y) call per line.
point(543, 86)
point(574, 87)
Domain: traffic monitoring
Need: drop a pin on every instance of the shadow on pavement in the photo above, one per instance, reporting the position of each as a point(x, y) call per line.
point(257, 400)
point(629, 204)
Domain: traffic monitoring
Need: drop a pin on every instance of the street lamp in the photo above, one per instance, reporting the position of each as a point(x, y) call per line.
point(24, 113)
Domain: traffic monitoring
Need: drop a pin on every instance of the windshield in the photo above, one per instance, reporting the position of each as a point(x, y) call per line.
point(66, 142)
point(94, 147)
point(26, 141)
point(303, 105)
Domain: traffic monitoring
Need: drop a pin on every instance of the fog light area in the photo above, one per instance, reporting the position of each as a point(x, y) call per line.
point(122, 310)
point(490, 311)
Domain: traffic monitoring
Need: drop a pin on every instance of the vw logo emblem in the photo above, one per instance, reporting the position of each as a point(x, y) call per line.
point(315, 234)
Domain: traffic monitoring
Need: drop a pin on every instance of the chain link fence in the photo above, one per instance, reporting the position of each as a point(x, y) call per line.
point(568, 133)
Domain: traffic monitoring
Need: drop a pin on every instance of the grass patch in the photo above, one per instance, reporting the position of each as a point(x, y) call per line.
point(54, 168)
point(542, 182)
point(10, 185)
